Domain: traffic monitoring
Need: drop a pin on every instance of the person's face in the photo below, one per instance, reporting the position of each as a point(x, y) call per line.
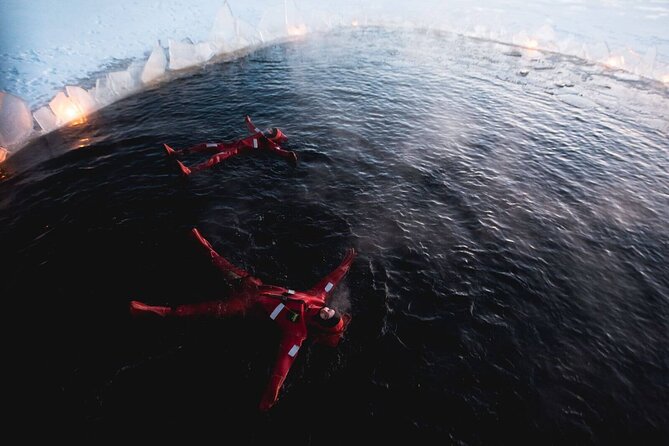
point(276, 136)
point(326, 313)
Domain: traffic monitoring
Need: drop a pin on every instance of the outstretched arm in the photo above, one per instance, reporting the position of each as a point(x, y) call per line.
point(249, 125)
point(288, 155)
point(324, 288)
point(218, 261)
point(287, 351)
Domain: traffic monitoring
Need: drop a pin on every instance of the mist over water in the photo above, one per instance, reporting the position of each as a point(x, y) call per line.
point(509, 209)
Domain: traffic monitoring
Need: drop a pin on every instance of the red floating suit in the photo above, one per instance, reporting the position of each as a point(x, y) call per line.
point(268, 140)
point(295, 313)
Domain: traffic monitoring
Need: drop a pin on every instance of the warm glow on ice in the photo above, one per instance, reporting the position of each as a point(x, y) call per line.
point(615, 62)
point(297, 30)
point(531, 44)
point(354, 23)
point(73, 114)
point(665, 78)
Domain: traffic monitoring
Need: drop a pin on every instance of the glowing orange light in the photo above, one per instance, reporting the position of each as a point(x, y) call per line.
point(615, 62)
point(531, 44)
point(73, 114)
point(297, 30)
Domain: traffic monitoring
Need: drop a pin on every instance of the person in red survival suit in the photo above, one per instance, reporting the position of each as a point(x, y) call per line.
point(297, 314)
point(259, 140)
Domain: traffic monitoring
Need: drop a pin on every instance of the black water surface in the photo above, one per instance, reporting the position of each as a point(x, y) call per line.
point(511, 285)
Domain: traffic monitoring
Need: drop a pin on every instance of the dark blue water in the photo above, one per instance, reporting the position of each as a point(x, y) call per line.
point(512, 279)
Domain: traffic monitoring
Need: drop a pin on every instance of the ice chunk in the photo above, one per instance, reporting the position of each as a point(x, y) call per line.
point(273, 24)
point(81, 98)
point(230, 34)
point(121, 83)
point(135, 69)
point(204, 51)
point(293, 20)
point(46, 119)
point(16, 122)
point(155, 66)
point(246, 35)
point(102, 93)
point(64, 108)
point(224, 31)
point(598, 51)
point(648, 63)
point(186, 54)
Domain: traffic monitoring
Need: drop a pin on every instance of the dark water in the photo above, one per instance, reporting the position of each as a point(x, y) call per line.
point(511, 285)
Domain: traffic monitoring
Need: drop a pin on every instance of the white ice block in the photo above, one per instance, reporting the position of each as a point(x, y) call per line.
point(647, 65)
point(293, 20)
point(46, 119)
point(224, 31)
point(247, 35)
point(186, 54)
point(121, 83)
point(16, 122)
point(598, 51)
point(135, 69)
point(155, 66)
point(64, 109)
point(230, 34)
point(273, 24)
point(102, 93)
point(81, 98)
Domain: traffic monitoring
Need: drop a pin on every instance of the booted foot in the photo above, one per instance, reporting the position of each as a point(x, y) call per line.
point(184, 170)
point(201, 239)
point(169, 150)
point(137, 308)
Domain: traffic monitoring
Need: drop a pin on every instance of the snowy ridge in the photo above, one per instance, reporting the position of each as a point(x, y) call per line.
point(628, 35)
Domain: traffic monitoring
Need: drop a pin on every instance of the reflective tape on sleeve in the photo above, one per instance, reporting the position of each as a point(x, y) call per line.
point(293, 350)
point(291, 291)
point(276, 311)
point(212, 144)
point(328, 287)
point(255, 143)
point(257, 130)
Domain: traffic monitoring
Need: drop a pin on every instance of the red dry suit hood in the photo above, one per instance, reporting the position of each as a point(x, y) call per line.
point(279, 137)
point(329, 336)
